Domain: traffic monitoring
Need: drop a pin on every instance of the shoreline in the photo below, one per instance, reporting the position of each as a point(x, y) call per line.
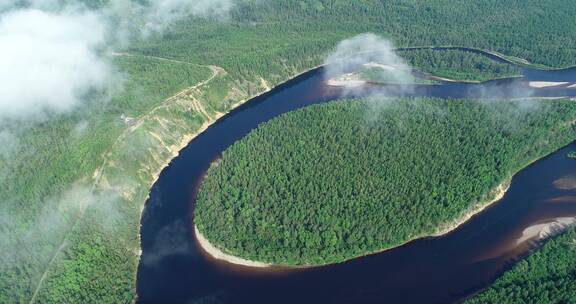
point(476, 209)
point(442, 229)
point(498, 193)
point(214, 252)
point(187, 138)
point(549, 84)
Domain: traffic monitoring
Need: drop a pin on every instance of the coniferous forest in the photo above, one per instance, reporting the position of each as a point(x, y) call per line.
point(73, 184)
point(335, 181)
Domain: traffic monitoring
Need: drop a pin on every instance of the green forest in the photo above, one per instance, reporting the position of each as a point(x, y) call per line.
point(54, 243)
point(48, 187)
point(459, 65)
point(298, 34)
point(335, 181)
point(547, 276)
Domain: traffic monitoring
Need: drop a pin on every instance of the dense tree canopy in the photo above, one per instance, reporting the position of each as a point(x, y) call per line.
point(547, 276)
point(334, 181)
point(258, 38)
point(459, 65)
point(274, 39)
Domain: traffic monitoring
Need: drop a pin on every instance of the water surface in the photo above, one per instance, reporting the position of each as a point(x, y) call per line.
point(434, 270)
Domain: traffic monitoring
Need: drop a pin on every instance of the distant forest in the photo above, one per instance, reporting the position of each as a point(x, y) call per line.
point(275, 39)
point(269, 40)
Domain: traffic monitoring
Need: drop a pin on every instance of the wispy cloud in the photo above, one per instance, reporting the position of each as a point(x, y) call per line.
point(35, 237)
point(352, 53)
point(169, 241)
point(49, 61)
point(53, 51)
point(369, 51)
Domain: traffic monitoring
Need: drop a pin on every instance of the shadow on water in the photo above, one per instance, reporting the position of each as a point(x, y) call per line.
point(174, 270)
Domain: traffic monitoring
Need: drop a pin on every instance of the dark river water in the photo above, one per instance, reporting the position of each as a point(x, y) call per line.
point(433, 270)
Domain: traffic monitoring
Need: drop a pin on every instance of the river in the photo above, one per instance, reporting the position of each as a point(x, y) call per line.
point(432, 270)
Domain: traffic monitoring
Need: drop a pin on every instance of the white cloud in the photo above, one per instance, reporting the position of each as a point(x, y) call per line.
point(366, 48)
point(158, 15)
point(49, 61)
point(36, 236)
point(51, 52)
point(9, 145)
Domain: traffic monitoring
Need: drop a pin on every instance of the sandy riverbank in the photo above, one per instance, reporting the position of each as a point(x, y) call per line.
point(218, 254)
point(546, 84)
point(545, 230)
point(497, 195)
point(349, 83)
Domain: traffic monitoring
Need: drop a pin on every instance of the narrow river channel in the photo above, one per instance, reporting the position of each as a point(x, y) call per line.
point(433, 270)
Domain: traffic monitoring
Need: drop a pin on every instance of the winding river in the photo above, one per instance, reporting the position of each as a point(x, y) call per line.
point(173, 269)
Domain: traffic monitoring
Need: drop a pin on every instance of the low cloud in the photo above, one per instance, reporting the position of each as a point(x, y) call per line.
point(49, 62)
point(159, 15)
point(369, 51)
point(352, 53)
point(170, 240)
point(53, 52)
point(26, 238)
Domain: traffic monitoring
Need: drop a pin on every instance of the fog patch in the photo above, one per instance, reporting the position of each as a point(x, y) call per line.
point(9, 145)
point(170, 240)
point(28, 238)
point(49, 62)
point(368, 51)
point(520, 95)
point(54, 52)
point(159, 15)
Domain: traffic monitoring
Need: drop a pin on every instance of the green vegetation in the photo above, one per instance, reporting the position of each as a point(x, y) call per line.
point(48, 190)
point(572, 154)
point(335, 181)
point(275, 39)
point(380, 75)
point(547, 276)
point(262, 42)
point(459, 65)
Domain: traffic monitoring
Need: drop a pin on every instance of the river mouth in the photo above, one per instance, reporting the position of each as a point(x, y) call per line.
point(433, 270)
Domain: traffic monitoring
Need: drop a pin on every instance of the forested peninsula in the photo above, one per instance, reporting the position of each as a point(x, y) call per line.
point(336, 181)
